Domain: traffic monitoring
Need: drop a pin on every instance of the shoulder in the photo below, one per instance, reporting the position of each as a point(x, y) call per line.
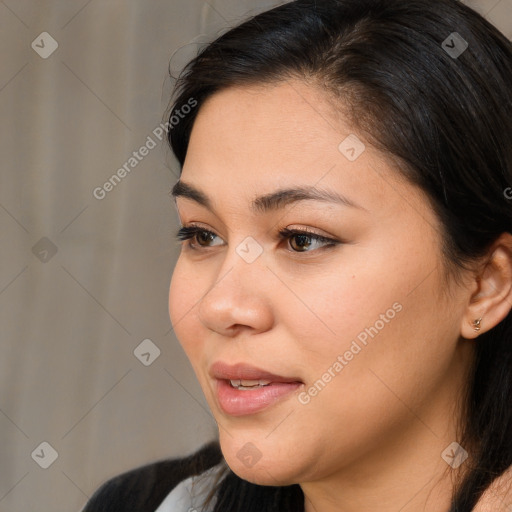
point(144, 488)
point(498, 496)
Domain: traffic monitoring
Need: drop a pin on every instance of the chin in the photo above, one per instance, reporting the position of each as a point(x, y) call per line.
point(248, 463)
point(270, 476)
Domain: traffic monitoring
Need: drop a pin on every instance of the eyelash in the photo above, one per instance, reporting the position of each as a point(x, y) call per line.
point(189, 232)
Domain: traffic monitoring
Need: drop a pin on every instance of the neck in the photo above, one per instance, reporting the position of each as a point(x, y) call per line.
point(404, 476)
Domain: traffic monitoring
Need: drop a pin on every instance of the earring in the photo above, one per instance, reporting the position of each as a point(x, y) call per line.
point(476, 324)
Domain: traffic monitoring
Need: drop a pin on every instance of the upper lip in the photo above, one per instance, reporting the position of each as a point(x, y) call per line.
point(242, 371)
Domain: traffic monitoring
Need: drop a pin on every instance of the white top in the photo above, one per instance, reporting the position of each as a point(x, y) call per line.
point(190, 493)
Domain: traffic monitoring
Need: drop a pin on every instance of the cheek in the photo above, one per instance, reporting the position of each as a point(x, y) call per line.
point(184, 295)
point(329, 309)
point(395, 348)
point(383, 320)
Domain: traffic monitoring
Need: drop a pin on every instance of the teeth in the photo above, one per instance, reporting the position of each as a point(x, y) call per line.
point(243, 384)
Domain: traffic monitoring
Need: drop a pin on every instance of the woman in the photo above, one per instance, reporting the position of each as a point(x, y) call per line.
point(344, 289)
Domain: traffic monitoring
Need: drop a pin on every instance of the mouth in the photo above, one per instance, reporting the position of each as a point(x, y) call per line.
point(243, 389)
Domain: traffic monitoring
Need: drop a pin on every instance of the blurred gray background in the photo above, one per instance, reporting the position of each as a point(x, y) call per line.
point(92, 379)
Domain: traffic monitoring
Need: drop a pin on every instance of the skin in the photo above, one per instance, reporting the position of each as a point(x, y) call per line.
point(372, 438)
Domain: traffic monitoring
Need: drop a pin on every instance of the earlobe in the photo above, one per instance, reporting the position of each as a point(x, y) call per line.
point(491, 301)
point(473, 328)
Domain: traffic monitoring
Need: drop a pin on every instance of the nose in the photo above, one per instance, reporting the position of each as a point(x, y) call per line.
point(239, 299)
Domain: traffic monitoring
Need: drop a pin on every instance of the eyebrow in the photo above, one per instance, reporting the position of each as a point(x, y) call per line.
point(273, 201)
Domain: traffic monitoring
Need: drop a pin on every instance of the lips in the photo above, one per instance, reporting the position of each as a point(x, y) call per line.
point(241, 371)
point(242, 389)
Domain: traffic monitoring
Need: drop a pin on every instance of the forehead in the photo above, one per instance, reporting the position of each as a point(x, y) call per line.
point(290, 118)
point(252, 140)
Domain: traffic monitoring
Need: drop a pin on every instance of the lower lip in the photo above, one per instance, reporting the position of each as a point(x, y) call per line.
point(238, 403)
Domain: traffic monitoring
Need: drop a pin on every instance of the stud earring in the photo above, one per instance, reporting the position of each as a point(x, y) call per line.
point(476, 324)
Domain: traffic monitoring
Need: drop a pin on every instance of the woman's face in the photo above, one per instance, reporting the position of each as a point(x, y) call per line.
point(363, 324)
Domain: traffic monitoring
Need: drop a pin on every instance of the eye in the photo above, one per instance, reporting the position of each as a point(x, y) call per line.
point(304, 238)
point(195, 233)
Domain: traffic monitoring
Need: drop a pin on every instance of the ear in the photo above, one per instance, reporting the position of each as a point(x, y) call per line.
point(491, 296)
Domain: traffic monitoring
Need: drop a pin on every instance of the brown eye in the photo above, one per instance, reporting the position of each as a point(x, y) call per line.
point(204, 236)
point(303, 241)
